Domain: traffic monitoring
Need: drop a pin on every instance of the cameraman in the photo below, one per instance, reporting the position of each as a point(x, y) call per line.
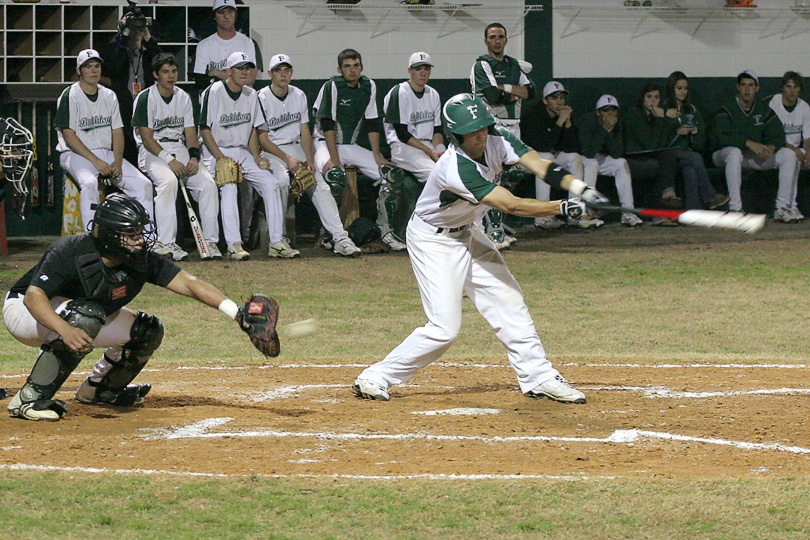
point(126, 68)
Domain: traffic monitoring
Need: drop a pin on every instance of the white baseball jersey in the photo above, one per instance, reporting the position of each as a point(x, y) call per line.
point(421, 113)
point(283, 116)
point(795, 122)
point(92, 117)
point(213, 52)
point(453, 191)
point(230, 116)
point(167, 119)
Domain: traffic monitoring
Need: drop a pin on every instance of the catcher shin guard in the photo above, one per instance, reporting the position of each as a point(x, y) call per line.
point(337, 180)
point(493, 223)
point(145, 335)
point(55, 363)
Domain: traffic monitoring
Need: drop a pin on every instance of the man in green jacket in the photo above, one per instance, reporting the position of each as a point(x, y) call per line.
point(747, 133)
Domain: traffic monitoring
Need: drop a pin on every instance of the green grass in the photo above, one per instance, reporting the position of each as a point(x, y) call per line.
point(654, 297)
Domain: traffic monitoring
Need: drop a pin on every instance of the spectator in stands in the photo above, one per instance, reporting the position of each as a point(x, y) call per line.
point(686, 136)
point(748, 134)
point(795, 116)
point(645, 136)
point(548, 129)
point(600, 136)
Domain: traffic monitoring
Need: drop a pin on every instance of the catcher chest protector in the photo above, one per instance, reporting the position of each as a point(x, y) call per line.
point(56, 361)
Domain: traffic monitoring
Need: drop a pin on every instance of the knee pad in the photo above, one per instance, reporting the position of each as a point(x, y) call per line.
point(146, 335)
point(337, 181)
point(393, 175)
point(85, 314)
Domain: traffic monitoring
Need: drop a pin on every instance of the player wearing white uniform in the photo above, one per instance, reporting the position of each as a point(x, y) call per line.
point(499, 80)
point(229, 116)
point(166, 133)
point(451, 257)
point(413, 122)
point(212, 52)
point(346, 103)
point(794, 113)
point(287, 143)
point(91, 139)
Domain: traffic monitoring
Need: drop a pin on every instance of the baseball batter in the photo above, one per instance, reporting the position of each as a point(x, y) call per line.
point(413, 121)
point(229, 116)
point(74, 299)
point(345, 104)
point(91, 139)
point(451, 257)
point(164, 128)
point(500, 82)
point(287, 143)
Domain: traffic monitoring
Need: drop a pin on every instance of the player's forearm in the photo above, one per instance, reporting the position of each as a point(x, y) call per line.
point(149, 142)
point(541, 167)
point(520, 91)
point(40, 308)
point(306, 144)
point(76, 145)
point(331, 145)
point(269, 146)
point(253, 144)
point(198, 289)
point(501, 199)
point(210, 143)
point(118, 144)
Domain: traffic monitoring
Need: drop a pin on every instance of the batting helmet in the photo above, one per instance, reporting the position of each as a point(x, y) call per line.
point(15, 152)
point(465, 113)
point(118, 217)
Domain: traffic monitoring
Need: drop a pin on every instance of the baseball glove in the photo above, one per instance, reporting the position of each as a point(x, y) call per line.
point(228, 171)
point(258, 319)
point(302, 180)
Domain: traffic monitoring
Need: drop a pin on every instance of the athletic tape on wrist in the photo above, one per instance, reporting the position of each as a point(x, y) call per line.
point(229, 308)
point(507, 88)
point(166, 156)
point(577, 187)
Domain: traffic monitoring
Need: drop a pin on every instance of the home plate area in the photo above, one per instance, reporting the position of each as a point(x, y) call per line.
point(453, 420)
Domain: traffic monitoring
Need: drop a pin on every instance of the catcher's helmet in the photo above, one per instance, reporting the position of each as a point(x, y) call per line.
point(117, 217)
point(465, 113)
point(15, 152)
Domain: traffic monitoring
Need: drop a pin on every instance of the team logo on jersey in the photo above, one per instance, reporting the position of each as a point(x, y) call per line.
point(420, 117)
point(283, 120)
point(159, 124)
point(217, 65)
point(500, 74)
point(345, 102)
point(227, 121)
point(95, 122)
point(119, 292)
point(758, 120)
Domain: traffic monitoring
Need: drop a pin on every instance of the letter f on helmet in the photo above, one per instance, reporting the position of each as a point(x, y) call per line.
point(465, 113)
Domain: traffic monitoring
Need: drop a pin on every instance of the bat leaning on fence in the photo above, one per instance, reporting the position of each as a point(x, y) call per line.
point(196, 229)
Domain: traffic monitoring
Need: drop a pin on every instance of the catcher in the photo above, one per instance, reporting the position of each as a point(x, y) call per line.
point(74, 300)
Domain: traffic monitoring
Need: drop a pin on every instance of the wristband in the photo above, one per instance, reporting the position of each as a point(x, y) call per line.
point(229, 308)
point(577, 186)
point(194, 152)
point(555, 174)
point(166, 156)
point(507, 88)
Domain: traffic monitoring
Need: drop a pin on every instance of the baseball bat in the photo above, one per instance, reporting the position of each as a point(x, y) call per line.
point(35, 166)
point(715, 219)
point(50, 182)
point(196, 229)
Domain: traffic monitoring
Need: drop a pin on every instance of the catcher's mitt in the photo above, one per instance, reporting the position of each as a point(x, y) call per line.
point(302, 180)
point(258, 319)
point(228, 171)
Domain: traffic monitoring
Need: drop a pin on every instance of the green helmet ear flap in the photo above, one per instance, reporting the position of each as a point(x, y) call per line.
point(463, 114)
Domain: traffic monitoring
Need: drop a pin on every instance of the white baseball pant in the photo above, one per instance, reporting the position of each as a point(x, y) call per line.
point(735, 160)
point(413, 159)
point(446, 266)
point(201, 186)
point(321, 195)
point(609, 166)
point(262, 181)
point(132, 182)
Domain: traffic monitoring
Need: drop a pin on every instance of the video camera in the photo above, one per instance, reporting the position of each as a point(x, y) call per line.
point(135, 19)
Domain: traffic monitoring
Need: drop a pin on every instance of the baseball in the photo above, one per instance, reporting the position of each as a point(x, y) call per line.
point(298, 329)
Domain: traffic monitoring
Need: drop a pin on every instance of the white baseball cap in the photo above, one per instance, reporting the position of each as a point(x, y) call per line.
point(751, 73)
point(553, 87)
point(238, 59)
point(278, 59)
point(607, 101)
point(219, 4)
point(87, 55)
point(419, 59)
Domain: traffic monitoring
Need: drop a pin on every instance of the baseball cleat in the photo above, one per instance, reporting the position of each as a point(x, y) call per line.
point(162, 250)
point(133, 394)
point(366, 389)
point(282, 250)
point(42, 410)
point(629, 219)
point(557, 389)
point(548, 223)
point(177, 253)
point(391, 241)
point(237, 253)
point(346, 248)
point(784, 215)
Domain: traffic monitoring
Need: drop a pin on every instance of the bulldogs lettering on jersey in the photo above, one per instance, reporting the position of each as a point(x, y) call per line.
point(283, 117)
point(231, 120)
point(92, 118)
point(421, 113)
point(213, 52)
point(167, 120)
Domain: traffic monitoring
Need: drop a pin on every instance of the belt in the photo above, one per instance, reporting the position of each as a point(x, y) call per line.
point(168, 140)
point(441, 230)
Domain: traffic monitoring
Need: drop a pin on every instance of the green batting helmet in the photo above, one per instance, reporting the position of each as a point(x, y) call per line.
point(465, 113)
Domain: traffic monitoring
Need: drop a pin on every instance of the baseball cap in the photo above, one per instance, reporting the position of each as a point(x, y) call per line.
point(607, 101)
point(553, 87)
point(86, 55)
point(238, 59)
point(752, 74)
point(419, 59)
point(219, 4)
point(278, 59)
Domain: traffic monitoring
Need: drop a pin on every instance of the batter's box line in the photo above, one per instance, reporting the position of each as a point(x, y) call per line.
point(199, 430)
point(653, 392)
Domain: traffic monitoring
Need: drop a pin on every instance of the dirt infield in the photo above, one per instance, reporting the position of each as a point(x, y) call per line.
point(690, 420)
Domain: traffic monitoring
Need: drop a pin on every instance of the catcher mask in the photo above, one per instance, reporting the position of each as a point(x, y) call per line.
point(122, 228)
point(15, 152)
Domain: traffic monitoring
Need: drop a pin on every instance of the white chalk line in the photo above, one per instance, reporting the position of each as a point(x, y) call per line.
point(463, 411)
point(199, 430)
point(96, 470)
